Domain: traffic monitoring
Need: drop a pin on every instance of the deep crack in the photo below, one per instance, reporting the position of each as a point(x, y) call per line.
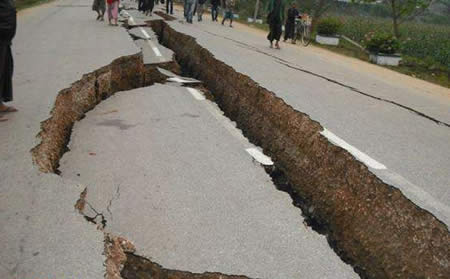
point(137, 267)
point(115, 197)
point(290, 65)
point(369, 223)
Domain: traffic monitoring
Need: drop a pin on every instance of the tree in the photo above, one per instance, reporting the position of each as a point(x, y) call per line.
point(446, 3)
point(403, 10)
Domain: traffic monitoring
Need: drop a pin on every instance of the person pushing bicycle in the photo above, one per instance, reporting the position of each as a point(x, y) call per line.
point(289, 28)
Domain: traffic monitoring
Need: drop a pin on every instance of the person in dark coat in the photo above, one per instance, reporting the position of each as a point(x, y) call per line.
point(289, 29)
point(8, 22)
point(147, 7)
point(275, 19)
point(169, 6)
point(215, 9)
point(100, 7)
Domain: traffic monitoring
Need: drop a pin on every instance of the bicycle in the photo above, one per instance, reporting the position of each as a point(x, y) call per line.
point(302, 30)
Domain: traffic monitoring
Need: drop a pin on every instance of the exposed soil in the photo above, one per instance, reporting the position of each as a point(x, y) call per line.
point(370, 224)
point(141, 268)
point(115, 249)
point(72, 103)
point(373, 225)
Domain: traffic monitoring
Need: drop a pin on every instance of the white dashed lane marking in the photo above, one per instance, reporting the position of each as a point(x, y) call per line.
point(196, 94)
point(361, 156)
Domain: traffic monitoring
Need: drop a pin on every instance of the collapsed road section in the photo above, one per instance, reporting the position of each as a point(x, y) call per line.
point(178, 181)
point(373, 225)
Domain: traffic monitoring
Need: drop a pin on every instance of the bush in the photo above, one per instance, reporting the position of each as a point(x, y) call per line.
point(419, 40)
point(381, 42)
point(329, 26)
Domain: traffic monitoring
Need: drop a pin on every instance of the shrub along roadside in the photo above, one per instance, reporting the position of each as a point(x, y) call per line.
point(329, 26)
point(428, 42)
point(425, 69)
point(411, 66)
point(381, 43)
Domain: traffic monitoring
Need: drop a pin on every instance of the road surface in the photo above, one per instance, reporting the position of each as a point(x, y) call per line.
point(228, 217)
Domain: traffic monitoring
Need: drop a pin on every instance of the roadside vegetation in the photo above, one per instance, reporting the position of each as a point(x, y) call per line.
point(23, 4)
point(423, 34)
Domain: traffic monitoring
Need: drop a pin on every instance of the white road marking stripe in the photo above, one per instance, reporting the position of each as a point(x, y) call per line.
point(361, 156)
point(197, 95)
point(152, 45)
point(177, 79)
point(155, 49)
point(417, 195)
point(225, 122)
point(147, 36)
point(259, 156)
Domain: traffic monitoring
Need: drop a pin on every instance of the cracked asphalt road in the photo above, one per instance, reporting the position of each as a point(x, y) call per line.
point(382, 123)
point(191, 197)
point(43, 236)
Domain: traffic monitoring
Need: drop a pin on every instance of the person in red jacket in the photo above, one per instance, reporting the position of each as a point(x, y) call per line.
point(8, 22)
point(113, 11)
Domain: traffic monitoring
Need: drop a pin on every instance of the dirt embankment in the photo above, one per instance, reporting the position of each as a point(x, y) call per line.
point(371, 225)
point(72, 103)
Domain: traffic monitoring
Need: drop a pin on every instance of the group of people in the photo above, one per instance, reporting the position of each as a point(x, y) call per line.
point(275, 18)
point(192, 7)
point(146, 6)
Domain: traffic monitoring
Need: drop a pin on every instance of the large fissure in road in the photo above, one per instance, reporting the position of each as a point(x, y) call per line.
point(71, 104)
point(123, 262)
point(372, 225)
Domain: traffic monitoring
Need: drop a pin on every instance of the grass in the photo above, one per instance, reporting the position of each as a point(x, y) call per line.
point(23, 4)
point(422, 68)
point(410, 66)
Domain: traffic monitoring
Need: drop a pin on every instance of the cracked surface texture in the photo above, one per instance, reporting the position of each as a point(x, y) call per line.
point(413, 148)
point(372, 224)
point(190, 196)
point(255, 231)
point(41, 232)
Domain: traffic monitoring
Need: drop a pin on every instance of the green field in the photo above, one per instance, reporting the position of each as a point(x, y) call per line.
point(427, 42)
point(22, 4)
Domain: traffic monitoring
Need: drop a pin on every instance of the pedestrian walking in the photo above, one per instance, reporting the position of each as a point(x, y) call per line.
point(8, 23)
point(169, 7)
point(200, 8)
point(275, 18)
point(148, 6)
point(113, 11)
point(100, 7)
point(141, 5)
point(229, 8)
point(215, 9)
point(189, 10)
point(289, 29)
